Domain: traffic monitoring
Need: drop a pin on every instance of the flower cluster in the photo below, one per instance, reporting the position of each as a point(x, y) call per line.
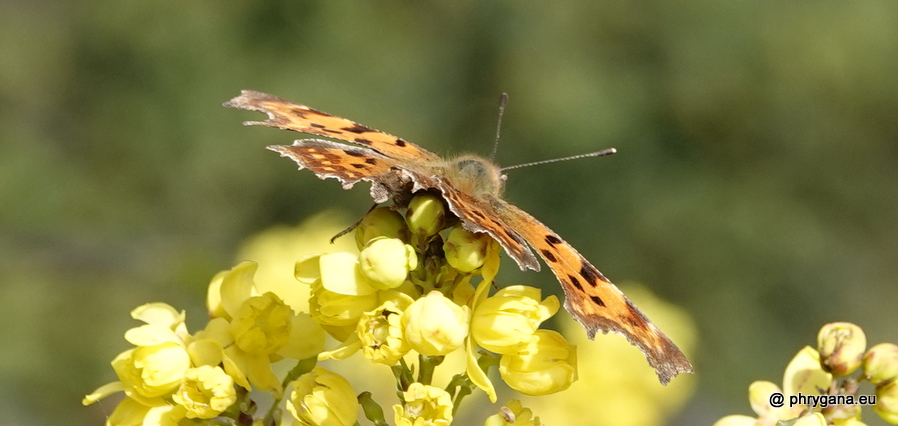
point(417, 290)
point(825, 378)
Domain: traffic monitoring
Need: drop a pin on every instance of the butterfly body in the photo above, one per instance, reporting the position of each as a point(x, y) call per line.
point(472, 188)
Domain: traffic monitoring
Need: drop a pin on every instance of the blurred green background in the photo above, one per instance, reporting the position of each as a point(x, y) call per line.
point(755, 184)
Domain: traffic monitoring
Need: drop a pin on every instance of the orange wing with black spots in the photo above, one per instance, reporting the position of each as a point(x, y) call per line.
point(471, 187)
point(286, 115)
point(592, 299)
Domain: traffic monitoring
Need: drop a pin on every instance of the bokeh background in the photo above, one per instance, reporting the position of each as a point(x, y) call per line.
point(756, 186)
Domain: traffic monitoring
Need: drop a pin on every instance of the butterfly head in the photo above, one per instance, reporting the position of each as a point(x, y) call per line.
point(476, 176)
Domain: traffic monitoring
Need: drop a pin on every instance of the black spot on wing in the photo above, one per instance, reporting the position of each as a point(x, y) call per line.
point(363, 141)
point(400, 142)
point(575, 282)
point(317, 126)
point(357, 129)
point(597, 300)
point(552, 239)
point(549, 256)
point(371, 161)
point(590, 274)
point(358, 166)
point(354, 153)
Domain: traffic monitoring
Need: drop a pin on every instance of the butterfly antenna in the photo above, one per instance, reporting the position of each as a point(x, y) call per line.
point(601, 153)
point(502, 101)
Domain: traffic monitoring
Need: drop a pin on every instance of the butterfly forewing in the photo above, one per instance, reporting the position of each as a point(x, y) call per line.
point(286, 115)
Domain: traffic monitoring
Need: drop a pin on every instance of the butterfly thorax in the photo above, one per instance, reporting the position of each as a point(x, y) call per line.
point(475, 176)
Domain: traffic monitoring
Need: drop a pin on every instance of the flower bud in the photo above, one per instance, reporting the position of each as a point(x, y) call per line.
point(881, 363)
point(206, 392)
point(323, 398)
point(545, 366)
point(262, 324)
point(887, 402)
point(434, 325)
point(759, 396)
point(386, 262)
point(841, 346)
point(424, 406)
point(380, 222)
point(513, 414)
point(426, 214)
point(466, 250)
point(506, 322)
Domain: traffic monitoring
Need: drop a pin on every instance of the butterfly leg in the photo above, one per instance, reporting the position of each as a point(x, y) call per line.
point(354, 225)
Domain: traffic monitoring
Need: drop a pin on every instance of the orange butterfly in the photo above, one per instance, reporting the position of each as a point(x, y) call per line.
point(472, 189)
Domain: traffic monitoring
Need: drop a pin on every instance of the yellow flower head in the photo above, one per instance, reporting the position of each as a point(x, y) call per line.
point(262, 325)
point(513, 414)
point(386, 262)
point(323, 398)
point(505, 323)
point(887, 402)
point(435, 325)
point(340, 292)
point(381, 333)
point(881, 363)
point(152, 371)
point(424, 406)
point(546, 365)
point(381, 222)
point(466, 250)
point(426, 215)
point(841, 346)
point(206, 392)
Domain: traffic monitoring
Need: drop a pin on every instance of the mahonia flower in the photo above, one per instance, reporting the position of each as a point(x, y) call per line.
point(887, 402)
point(424, 406)
point(841, 346)
point(425, 215)
point(881, 363)
point(381, 222)
point(513, 414)
point(381, 332)
point(505, 322)
point(548, 364)
point(465, 250)
point(206, 392)
point(435, 325)
point(262, 324)
point(323, 398)
point(386, 262)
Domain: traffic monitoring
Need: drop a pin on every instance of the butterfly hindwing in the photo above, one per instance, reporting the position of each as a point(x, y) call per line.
point(593, 300)
point(287, 115)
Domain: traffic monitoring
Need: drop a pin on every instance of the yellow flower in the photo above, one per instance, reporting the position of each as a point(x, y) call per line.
point(881, 363)
point(424, 406)
point(340, 292)
point(466, 250)
point(149, 372)
point(506, 322)
point(426, 214)
point(513, 414)
point(805, 375)
point(381, 333)
point(381, 222)
point(887, 402)
point(434, 325)
point(206, 392)
point(841, 346)
point(386, 262)
point(759, 393)
point(545, 366)
point(262, 324)
point(323, 398)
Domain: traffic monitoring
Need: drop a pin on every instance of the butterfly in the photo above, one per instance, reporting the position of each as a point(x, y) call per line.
point(471, 187)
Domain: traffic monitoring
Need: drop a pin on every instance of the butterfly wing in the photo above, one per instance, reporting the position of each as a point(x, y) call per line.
point(348, 164)
point(592, 299)
point(287, 115)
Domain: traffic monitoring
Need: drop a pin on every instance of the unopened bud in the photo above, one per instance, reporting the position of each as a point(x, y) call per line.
point(841, 346)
